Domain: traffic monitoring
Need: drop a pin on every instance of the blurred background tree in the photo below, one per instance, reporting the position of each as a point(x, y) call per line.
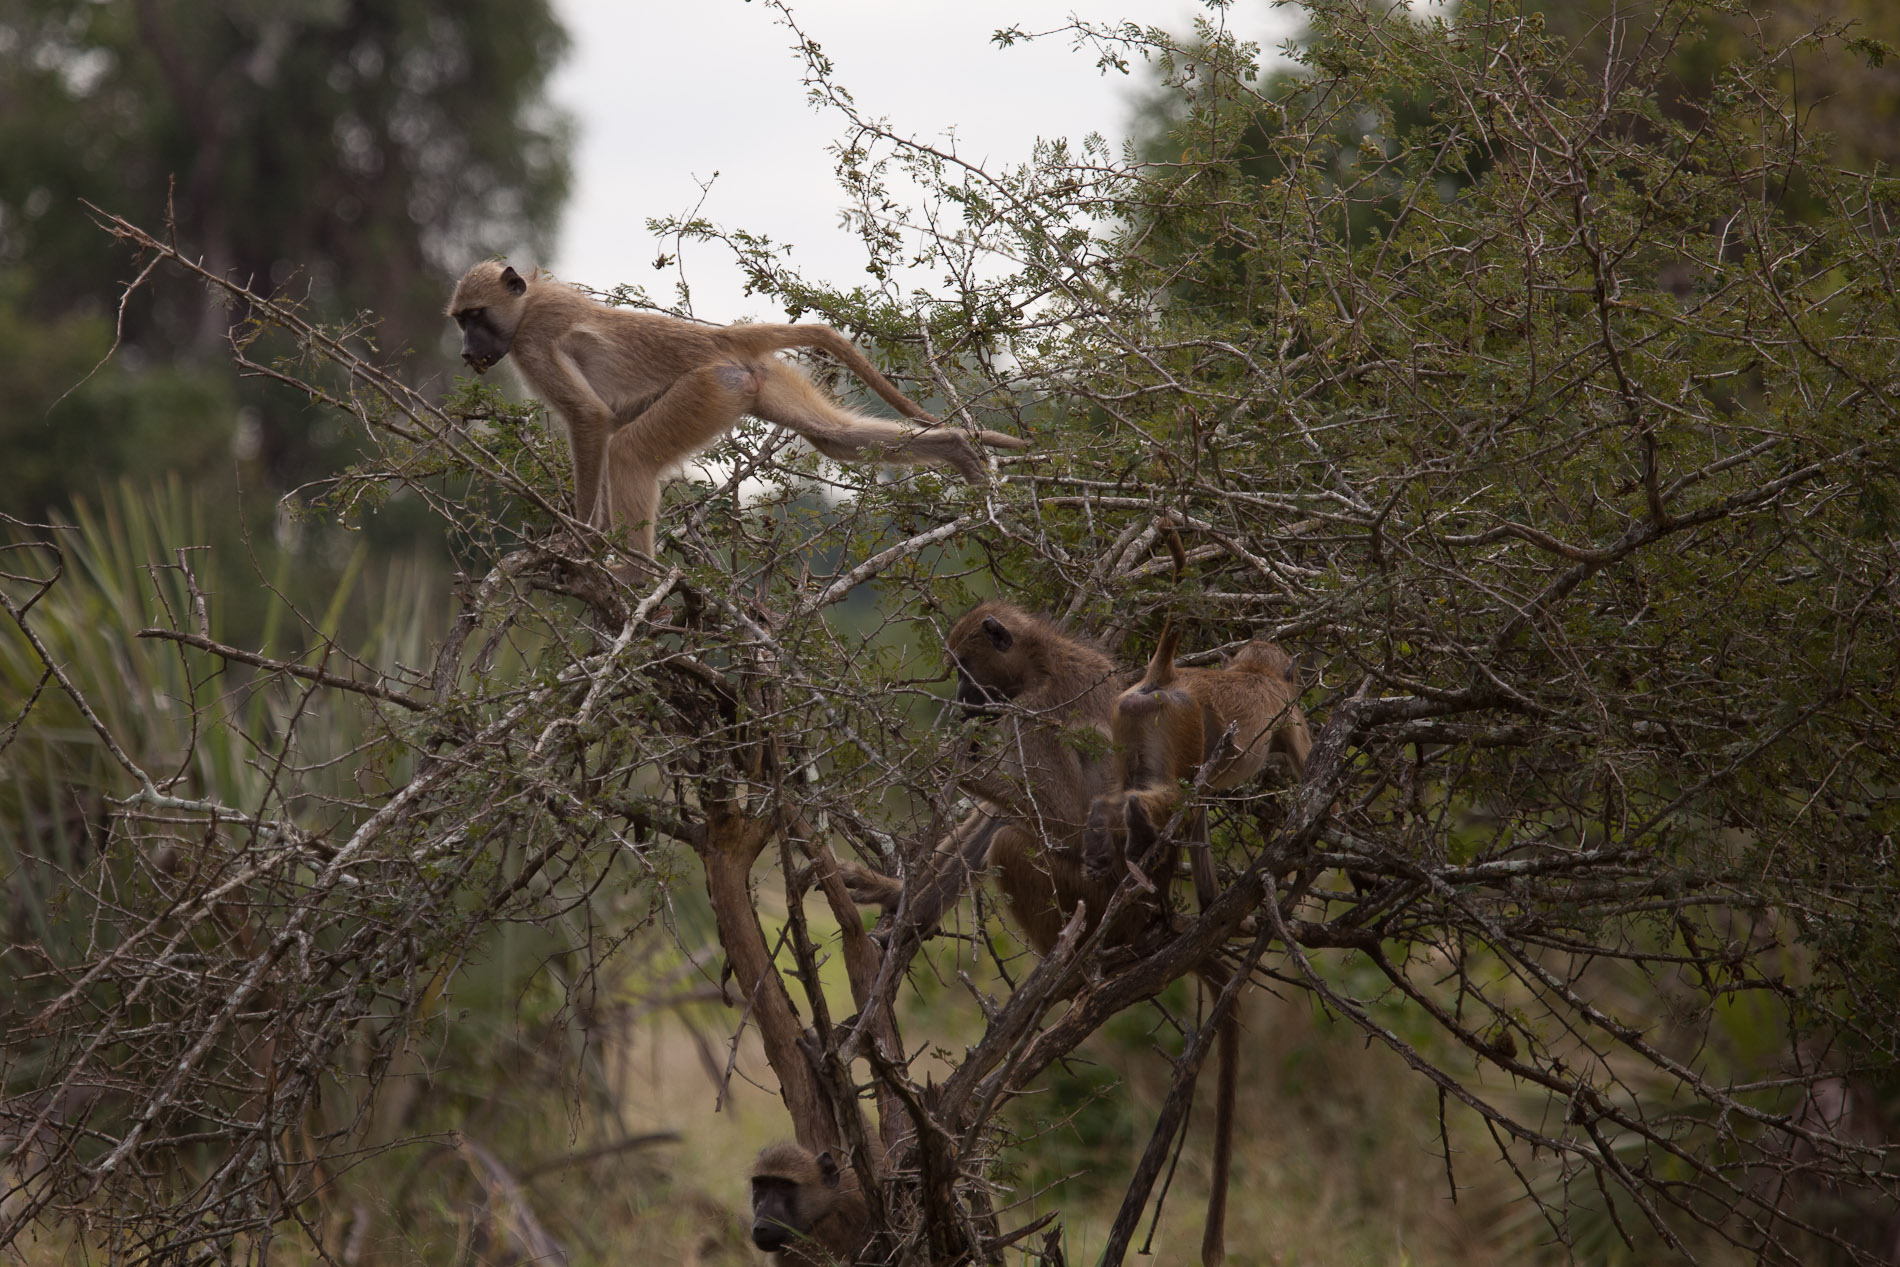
point(355, 155)
point(1848, 88)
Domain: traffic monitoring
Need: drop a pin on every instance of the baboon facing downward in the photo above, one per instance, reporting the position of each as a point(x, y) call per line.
point(1051, 694)
point(806, 1210)
point(641, 392)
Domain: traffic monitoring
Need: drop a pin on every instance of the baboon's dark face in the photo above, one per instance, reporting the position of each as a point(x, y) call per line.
point(989, 658)
point(482, 344)
point(487, 307)
point(976, 696)
point(775, 1213)
point(787, 1207)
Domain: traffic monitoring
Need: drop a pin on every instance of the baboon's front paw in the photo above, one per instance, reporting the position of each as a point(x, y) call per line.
point(868, 887)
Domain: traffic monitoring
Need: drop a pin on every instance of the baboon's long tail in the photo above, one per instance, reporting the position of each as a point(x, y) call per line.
point(1214, 1239)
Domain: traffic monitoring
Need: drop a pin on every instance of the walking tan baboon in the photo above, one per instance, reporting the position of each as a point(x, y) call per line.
point(641, 392)
point(1054, 693)
point(806, 1210)
point(1167, 725)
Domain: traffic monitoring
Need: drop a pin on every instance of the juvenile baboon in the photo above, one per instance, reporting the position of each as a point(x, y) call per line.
point(806, 1210)
point(641, 392)
point(1165, 727)
point(1169, 723)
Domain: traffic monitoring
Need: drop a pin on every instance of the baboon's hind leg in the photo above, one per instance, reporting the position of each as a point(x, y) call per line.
point(791, 400)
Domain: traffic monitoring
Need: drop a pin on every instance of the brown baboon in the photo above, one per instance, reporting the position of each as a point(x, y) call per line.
point(640, 392)
point(1171, 722)
point(806, 1210)
point(1052, 694)
point(1166, 726)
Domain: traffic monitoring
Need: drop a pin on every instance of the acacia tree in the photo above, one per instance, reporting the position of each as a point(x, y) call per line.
point(1562, 453)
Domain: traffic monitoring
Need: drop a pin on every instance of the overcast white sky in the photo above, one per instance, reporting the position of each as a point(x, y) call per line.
point(668, 92)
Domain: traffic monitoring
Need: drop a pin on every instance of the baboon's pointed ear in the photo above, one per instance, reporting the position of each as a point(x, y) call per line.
point(512, 280)
point(828, 1168)
point(999, 634)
